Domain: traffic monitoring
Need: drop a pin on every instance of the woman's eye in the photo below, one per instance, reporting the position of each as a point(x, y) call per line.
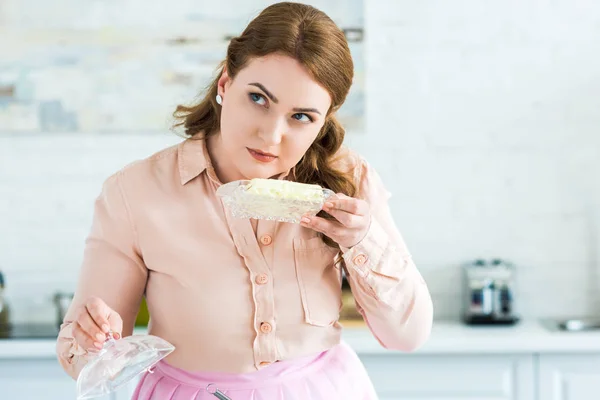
point(258, 99)
point(302, 117)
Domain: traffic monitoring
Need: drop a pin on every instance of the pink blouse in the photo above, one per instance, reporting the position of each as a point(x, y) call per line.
point(235, 295)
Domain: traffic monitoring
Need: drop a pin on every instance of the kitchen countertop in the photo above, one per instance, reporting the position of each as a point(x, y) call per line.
point(452, 337)
point(447, 337)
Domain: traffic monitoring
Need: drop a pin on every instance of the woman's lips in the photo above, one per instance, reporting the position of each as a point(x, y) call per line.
point(261, 156)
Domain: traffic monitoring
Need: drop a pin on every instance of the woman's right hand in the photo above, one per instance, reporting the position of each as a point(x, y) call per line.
point(94, 320)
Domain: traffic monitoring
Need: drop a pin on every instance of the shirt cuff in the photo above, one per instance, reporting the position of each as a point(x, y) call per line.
point(71, 351)
point(367, 255)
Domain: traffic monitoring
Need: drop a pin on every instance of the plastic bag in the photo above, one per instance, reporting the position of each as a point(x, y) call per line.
point(119, 362)
point(281, 201)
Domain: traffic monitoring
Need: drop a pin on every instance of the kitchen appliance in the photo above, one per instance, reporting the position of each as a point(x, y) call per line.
point(28, 331)
point(62, 301)
point(4, 313)
point(489, 293)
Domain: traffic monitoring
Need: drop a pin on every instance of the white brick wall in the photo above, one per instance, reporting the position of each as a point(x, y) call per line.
point(482, 120)
point(48, 184)
point(489, 115)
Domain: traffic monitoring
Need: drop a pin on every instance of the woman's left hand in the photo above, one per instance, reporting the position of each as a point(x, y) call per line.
point(351, 224)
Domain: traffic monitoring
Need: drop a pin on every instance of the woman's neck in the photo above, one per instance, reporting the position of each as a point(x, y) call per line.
point(223, 166)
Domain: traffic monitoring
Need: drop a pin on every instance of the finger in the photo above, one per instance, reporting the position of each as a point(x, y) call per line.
point(99, 312)
point(83, 339)
point(345, 218)
point(349, 204)
point(333, 229)
point(116, 324)
point(89, 326)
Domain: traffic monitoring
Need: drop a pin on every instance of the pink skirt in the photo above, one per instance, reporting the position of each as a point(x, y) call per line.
point(337, 373)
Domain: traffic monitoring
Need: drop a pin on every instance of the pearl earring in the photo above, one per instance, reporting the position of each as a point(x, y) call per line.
point(219, 99)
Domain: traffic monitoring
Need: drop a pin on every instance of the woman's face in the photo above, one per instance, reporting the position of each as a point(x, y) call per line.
point(271, 113)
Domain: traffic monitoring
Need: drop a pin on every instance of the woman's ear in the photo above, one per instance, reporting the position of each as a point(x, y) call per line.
point(223, 83)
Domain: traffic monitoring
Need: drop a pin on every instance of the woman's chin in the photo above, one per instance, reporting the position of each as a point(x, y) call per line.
point(264, 173)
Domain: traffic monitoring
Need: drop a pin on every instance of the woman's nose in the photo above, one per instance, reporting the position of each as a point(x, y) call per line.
point(272, 131)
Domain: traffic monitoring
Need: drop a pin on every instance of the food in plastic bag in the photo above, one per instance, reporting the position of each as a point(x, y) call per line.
point(271, 199)
point(119, 362)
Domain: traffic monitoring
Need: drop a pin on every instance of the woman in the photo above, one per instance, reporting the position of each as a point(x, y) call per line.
point(251, 305)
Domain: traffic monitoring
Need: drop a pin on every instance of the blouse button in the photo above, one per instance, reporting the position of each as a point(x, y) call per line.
point(261, 279)
point(360, 259)
point(266, 327)
point(266, 240)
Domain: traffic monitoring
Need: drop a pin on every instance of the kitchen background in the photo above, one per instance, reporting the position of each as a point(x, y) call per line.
point(481, 117)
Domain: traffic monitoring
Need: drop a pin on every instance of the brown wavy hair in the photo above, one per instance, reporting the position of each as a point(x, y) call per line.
point(308, 35)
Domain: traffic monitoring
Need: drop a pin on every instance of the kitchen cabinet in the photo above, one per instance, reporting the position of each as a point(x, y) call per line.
point(569, 377)
point(33, 379)
point(452, 377)
point(396, 376)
